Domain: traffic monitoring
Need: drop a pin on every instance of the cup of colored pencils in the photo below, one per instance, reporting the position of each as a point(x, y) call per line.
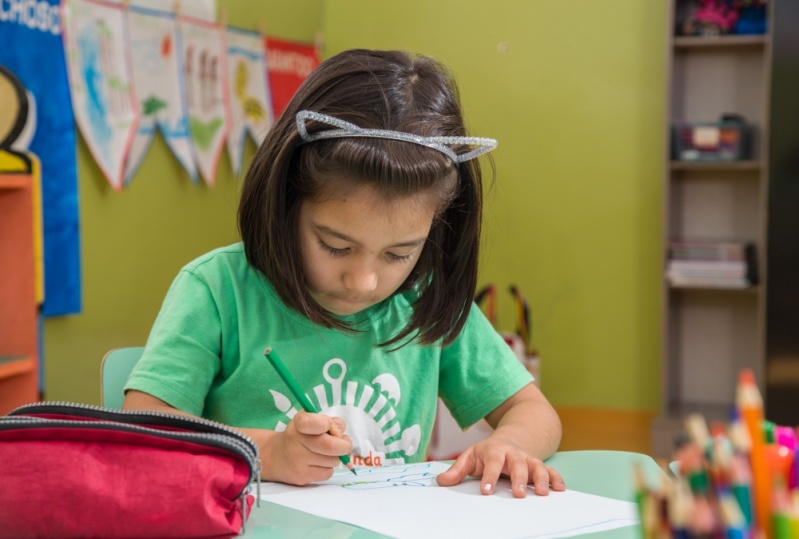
point(730, 481)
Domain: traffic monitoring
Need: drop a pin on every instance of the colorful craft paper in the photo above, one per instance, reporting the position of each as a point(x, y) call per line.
point(199, 9)
point(289, 63)
point(204, 70)
point(158, 79)
point(250, 102)
point(98, 64)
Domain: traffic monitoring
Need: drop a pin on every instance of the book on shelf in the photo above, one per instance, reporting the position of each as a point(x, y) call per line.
point(686, 250)
point(711, 264)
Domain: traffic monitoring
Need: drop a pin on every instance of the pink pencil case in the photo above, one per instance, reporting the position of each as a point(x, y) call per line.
point(73, 470)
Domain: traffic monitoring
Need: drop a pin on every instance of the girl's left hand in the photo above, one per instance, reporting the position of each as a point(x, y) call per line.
point(491, 458)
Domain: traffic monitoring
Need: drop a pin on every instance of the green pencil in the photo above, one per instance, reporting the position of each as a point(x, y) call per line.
point(299, 394)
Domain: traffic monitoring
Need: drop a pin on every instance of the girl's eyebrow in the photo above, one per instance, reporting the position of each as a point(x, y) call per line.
point(330, 232)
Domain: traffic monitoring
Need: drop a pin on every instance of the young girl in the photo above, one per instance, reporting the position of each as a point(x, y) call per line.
point(360, 221)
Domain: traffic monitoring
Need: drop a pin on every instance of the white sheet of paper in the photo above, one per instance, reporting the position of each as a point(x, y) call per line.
point(405, 501)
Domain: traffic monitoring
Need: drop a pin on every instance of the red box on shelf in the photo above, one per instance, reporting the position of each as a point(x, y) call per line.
point(710, 141)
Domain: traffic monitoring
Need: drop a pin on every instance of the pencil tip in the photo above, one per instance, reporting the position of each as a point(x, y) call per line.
point(268, 349)
point(353, 471)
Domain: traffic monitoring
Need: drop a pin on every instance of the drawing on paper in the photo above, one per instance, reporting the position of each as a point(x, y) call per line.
point(414, 475)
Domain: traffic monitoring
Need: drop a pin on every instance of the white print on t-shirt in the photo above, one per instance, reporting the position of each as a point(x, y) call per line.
point(369, 412)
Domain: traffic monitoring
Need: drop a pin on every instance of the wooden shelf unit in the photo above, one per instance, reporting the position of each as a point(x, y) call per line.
point(730, 166)
point(727, 41)
point(710, 334)
point(19, 380)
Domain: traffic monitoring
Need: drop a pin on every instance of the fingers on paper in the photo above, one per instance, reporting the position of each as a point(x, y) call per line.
point(463, 466)
point(520, 470)
point(556, 481)
point(494, 463)
point(540, 477)
point(524, 472)
point(545, 478)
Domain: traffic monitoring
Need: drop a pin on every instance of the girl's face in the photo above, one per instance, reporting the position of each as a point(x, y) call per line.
point(357, 248)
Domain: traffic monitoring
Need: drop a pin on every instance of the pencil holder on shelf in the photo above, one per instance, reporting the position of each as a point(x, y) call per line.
point(520, 340)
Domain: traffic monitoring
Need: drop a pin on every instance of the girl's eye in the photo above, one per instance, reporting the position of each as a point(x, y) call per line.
point(332, 250)
point(398, 258)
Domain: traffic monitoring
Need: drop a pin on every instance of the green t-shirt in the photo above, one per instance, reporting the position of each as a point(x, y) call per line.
point(205, 355)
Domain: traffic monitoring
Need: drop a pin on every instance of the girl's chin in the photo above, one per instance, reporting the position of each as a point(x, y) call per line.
point(343, 307)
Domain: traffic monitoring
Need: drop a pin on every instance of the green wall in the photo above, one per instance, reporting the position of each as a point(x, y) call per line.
point(575, 93)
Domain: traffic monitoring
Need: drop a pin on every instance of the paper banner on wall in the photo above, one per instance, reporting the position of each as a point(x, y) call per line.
point(250, 103)
point(288, 63)
point(157, 77)
point(198, 9)
point(31, 47)
point(95, 45)
point(204, 69)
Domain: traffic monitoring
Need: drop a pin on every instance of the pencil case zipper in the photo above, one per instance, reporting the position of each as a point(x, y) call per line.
point(159, 424)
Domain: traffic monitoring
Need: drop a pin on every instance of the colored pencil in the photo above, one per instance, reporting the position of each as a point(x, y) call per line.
point(750, 406)
point(298, 393)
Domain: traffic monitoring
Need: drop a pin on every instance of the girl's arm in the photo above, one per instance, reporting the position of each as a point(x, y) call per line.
point(302, 454)
point(527, 431)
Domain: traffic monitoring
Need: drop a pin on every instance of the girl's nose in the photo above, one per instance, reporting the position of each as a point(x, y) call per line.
point(360, 278)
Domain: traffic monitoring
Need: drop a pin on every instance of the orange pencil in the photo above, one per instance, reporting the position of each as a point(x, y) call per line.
point(750, 405)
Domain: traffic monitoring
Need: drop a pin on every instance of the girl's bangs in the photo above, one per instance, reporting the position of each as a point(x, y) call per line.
point(394, 168)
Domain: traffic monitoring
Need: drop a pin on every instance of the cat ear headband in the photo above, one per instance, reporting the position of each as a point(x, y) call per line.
point(346, 129)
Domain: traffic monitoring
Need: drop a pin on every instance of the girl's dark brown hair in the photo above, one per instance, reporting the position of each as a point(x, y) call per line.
point(379, 90)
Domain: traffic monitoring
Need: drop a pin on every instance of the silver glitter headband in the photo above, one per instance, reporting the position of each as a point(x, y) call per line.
point(346, 129)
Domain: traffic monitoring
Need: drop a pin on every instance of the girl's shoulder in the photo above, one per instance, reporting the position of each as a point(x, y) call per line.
point(226, 265)
point(227, 255)
point(227, 260)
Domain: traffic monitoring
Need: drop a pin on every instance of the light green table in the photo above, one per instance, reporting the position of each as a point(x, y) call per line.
point(605, 473)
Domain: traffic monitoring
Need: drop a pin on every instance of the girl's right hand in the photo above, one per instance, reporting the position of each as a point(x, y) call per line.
point(305, 452)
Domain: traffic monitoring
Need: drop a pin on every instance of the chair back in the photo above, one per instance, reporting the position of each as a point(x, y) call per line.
point(114, 371)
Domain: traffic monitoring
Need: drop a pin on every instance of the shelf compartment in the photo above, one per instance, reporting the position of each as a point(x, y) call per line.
point(707, 83)
point(16, 365)
point(713, 335)
point(709, 206)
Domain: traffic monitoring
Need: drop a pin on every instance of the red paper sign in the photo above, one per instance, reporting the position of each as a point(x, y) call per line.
point(288, 63)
